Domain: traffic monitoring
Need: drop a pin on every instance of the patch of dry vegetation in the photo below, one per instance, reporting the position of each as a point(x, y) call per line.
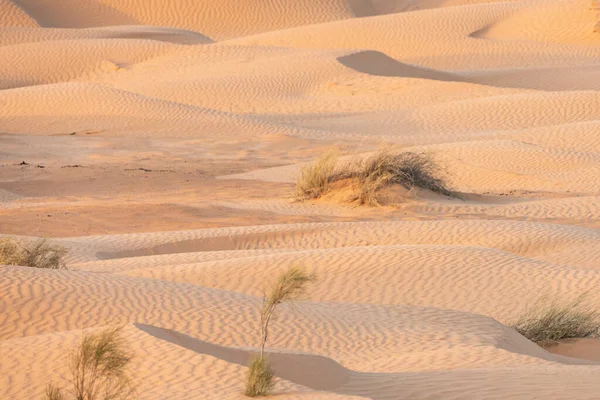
point(99, 368)
point(39, 254)
point(549, 322)
point(259, 380)
point(54, 393)
point(290, 286)
point(409, 170)
point(316, 177)
point(371, 175)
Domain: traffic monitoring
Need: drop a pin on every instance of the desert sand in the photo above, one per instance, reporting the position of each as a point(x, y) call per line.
point(159, 142)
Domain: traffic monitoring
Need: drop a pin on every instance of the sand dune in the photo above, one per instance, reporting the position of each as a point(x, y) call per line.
point(159, 143)
point(20, 35)
point(458, 26)
point(557, 22)
point(216, 19)
point(214, 312)
point(12, 14)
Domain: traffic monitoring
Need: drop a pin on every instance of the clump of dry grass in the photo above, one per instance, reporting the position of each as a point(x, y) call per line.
point(54, 393)
point(289, 286)
point(99, 368)
point(549, 322)
point(410, 170)
point(39, 254)
point(315, 178)
point(259, 380)
point(371, 175)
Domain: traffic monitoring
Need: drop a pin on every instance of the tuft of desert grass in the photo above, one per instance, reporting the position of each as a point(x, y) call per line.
point(259, 379)
point(99, 366)
point(316, 177)
point(38, 254)
point(289, 286)
point(549, 322)
point(410, 170)
point(371, 175)
point(54, 393)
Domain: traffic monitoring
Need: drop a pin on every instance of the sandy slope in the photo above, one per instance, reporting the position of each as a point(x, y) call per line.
point(159, 141)
point(216, 19)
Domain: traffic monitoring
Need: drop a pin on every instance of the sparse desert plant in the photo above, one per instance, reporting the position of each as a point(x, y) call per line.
point(316, 177)
point(410, 170)
point(289, 286)
point(370, 175)
point(38, 254)
point(98, 368)
point(10, 251)
point(259, 380)
point(54, 393)
point(549, 322)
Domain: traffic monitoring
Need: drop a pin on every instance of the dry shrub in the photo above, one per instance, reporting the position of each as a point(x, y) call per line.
point(410, 170)
point(99, 368)
point(39, 254)
point(54, 393)
point(289, 286)
point(549, 322)
point(315, 177)
point(259, 380)
point(384, 168)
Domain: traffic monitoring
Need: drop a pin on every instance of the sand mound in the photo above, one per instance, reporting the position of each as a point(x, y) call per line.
point(103, 109)
point(479, 340)
point(67, 60)
point(216, 19)
point(18, 35)
point(554, 22)
point(11, 14)
point(386, 275)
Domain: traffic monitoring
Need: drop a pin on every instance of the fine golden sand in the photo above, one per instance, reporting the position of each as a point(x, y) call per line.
point(159, 141)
